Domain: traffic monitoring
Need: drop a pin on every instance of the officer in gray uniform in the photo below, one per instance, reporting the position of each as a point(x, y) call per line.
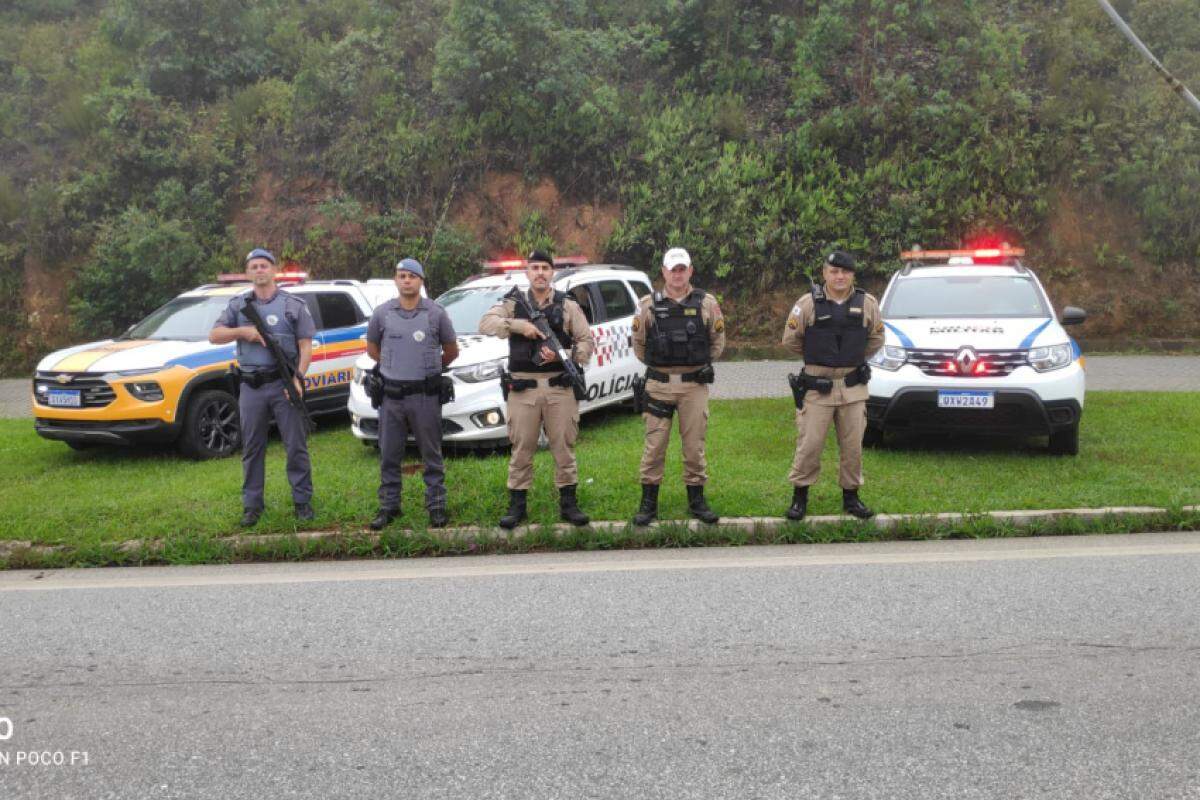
point(261, 394)
point(412, 340)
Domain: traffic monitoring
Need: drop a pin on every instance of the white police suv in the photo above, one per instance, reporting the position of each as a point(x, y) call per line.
point(608, 295)
point(972, 344)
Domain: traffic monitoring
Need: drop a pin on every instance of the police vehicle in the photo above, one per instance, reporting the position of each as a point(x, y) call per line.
point(973, 345)
point(162, 381)
point(608, 294)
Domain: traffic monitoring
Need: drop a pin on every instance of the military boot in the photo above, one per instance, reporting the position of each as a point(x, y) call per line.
point(383, 517)
point(568, 507)
point(438, 518)
point(648, 511)
point(698, 507)
point(853, 506)
point(799, 506)
point(250, 517)
point(516, 509)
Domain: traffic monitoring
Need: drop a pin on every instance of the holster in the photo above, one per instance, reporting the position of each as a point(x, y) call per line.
point(233, 380)
point(797, 383)
point(505, 381)
point(446, 390)
point(705, 374)
point(639, 394)
point(660, 408)
point(373, 385)
point(860, 376)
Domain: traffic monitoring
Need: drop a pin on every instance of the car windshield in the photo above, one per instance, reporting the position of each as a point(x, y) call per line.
point(184, 318)
point(988, 296)
point(467, 306)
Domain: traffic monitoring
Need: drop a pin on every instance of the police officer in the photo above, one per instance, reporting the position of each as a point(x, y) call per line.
point(837, 328)
point(539, 393)
point(678, 332)
point(261, 394)
point(412, 340)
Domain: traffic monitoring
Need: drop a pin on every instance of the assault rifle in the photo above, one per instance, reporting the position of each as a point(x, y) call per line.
point(286, 368)
point(538, 318)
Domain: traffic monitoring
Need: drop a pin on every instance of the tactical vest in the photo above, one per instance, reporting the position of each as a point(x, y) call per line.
point(521, 348)
point(410, 349)
point(677, 335)
point(281, 316)
point(837, 337)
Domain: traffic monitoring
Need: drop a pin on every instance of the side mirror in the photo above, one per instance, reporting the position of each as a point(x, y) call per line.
point(1073, 316)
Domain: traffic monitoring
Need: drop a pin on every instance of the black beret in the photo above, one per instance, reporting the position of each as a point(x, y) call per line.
point(842, 259)
point(539, 255)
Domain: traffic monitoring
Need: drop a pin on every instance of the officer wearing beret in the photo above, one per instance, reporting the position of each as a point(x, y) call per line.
point(261, 395)
point(677, 333)
point(412, 340)
point(837, 328)
point(539, 393)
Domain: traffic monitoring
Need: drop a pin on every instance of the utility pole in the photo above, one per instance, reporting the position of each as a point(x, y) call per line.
point(1171, 80)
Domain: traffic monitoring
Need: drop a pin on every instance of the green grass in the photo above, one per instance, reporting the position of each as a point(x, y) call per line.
point(1136, 449)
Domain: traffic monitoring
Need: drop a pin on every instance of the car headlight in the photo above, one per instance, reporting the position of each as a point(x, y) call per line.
point(1045, 359)
point(478, 373)
point(146, 391)
point(889, 358)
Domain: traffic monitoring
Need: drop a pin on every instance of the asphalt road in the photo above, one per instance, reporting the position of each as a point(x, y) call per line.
point(745, 379)
point(1035, 668)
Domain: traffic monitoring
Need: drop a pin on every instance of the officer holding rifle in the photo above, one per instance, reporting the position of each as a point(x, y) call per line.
point(549, 342)
point(274, 332)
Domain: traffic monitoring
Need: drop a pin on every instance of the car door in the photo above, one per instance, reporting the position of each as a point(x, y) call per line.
point(614, 339)
point(341, 338)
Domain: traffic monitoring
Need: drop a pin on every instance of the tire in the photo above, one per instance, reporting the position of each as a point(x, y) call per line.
point(1065, 442)
point(872, 436)
point(211, 428)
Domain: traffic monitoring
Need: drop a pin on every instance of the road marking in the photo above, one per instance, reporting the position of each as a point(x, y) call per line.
point(788, 557)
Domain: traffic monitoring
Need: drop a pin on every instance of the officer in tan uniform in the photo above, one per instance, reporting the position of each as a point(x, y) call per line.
point(837, 328)
point(678, 332)
point(538, 391)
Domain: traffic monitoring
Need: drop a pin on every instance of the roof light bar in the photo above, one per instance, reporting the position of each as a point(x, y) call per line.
point(945, 255)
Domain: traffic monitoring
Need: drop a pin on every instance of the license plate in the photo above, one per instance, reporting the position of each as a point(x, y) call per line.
point(966, 399)
point(65, 398)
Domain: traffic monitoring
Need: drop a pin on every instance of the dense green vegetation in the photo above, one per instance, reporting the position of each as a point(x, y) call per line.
point(132, 132)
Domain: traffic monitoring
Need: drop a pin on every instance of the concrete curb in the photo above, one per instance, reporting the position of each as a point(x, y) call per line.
point(882, 522)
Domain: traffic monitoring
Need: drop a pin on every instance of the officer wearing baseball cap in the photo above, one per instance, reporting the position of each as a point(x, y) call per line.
point(837, 328)
point(539, 395)
point(261, 395)
point(677, 333)
point(412, 340)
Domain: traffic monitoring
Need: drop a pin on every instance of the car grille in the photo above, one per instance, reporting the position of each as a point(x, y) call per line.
point(96, 393)
point(942, 364)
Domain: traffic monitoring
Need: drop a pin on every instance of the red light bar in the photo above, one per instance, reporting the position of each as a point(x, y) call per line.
point(946, 255)
point(291, 277)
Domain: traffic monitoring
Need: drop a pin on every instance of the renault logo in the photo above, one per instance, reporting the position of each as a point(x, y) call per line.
point(965, 359)
point(63, 378)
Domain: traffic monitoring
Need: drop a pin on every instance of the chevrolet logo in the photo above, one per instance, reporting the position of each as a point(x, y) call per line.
point(965, 359)
point(64, 378)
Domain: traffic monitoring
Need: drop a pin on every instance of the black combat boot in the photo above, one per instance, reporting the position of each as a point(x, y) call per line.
point(698, 507)
point(304, 511)
point(799, 506)
point(438, 518)
point(648, 511)
point(516, 509)
point(250, 517)
point(568, 507)
point(383, 517)
point(853, 506)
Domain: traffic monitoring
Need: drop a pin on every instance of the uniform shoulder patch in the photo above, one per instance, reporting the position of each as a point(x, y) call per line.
point(793, 322)
point(719, 325)
point(637, 322)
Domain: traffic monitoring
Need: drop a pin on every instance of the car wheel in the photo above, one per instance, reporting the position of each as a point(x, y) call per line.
point(872, 436)
point(211, 428)
point(1065, 442)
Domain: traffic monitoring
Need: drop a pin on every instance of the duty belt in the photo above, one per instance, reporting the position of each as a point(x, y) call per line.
point(259, 378)
point(400, 389)
point(702, 375)
point(522, 384)
point(824, 385)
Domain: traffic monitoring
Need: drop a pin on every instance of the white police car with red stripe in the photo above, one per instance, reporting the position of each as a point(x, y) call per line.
point(608, 295)
point(973, 345)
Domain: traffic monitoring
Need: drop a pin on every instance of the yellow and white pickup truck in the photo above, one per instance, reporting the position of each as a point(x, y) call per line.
point(162, 381)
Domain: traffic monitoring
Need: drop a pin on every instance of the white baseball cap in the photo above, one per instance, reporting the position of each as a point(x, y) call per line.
point(676, 255)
